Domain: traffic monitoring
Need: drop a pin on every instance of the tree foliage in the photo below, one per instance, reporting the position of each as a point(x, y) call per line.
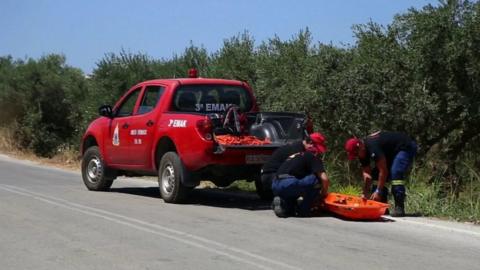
point(419, 74)
point(39, 99)
point(236, 59)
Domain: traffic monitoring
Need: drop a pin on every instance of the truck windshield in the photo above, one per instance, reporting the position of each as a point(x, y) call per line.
point(211, 98)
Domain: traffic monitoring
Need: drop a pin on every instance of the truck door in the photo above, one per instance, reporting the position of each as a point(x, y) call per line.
point(143, 123)
point(118, 140)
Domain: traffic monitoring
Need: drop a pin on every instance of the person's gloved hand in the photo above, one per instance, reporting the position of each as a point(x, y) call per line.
point(376, 196)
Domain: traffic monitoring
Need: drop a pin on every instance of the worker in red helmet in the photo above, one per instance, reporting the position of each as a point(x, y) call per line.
point(393, 153)
point(302, 174)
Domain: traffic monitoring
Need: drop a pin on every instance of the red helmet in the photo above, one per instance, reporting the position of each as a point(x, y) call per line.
point(351, 146)
point(318, 141)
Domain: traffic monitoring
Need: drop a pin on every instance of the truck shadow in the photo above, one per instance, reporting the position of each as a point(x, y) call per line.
point(232, 198)
point(213, 197)
point(228, 199)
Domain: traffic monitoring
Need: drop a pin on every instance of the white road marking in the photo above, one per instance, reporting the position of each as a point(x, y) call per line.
point(183, 237)
point(436, 226)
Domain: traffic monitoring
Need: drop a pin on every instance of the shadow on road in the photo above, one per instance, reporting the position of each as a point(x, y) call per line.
point(381, 220)
point(226, 198)
point(140, 191)
point(229, 198)
point(214, 197)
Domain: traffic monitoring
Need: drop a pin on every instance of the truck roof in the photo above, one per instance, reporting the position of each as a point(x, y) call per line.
point(193, 81)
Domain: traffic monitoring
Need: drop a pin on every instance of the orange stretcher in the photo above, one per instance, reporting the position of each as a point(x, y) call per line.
point(354, 207)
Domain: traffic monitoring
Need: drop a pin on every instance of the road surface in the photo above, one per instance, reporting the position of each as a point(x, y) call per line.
point(48, 220)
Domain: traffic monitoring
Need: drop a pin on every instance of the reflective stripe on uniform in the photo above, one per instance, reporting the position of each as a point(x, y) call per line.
point(398, 182)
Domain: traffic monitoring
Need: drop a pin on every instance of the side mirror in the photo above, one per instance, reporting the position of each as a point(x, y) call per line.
point(106, 110)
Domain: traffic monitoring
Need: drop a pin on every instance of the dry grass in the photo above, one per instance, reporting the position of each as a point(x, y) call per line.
point(68, 159)
point(7, 143)
point(65, 159)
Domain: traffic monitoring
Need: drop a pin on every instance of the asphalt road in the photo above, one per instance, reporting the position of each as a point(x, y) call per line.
point(48, 220)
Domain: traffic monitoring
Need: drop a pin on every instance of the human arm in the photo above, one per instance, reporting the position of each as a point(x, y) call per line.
point(367, 180)
point(325, 182)
point(381, 164)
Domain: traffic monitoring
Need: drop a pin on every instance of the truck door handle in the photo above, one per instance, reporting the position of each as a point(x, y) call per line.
point(126, 125)
point(150, 123)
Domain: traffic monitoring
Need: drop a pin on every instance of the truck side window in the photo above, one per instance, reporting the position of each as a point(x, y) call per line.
point(186, 101)
point(152, 95)
point(127, 106)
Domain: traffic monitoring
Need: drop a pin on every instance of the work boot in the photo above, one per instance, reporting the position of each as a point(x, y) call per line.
point(399, 197)
point(399, 210)
point(278, 206)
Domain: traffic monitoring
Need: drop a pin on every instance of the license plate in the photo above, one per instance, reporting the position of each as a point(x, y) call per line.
point(256, 159)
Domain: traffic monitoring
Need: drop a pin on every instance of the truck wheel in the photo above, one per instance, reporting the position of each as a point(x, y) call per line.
point(170, 174)
point(95, 174)
point(265, 193)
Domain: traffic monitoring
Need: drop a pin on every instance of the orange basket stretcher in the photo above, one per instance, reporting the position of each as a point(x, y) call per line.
point(354, 207)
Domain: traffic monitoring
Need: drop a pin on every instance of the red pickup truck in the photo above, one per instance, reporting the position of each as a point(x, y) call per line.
point(170, 128)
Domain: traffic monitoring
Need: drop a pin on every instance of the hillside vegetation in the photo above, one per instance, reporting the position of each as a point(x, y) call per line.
point(420, 74)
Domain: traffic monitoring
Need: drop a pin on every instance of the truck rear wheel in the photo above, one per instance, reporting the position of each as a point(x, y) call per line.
point(170, 174)
point(95, 174)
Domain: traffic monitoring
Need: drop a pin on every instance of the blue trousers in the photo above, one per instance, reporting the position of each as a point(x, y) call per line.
point(290, 189)
point(400, 165)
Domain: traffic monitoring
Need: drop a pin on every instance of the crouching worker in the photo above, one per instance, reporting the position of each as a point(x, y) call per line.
point(393, 153)
point(302, 174)
point(270, 168)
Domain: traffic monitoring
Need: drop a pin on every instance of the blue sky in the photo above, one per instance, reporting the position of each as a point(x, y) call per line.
point(85, 30)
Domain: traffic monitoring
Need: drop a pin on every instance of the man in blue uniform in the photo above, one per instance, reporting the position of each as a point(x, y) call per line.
point(393, 153)
point(302, 174)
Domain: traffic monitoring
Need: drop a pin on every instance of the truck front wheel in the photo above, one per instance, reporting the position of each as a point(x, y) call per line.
point(95, 174)
point(170, 174)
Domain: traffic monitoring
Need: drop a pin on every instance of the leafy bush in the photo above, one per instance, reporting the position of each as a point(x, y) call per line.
point(420, 74)
point(42, 98)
